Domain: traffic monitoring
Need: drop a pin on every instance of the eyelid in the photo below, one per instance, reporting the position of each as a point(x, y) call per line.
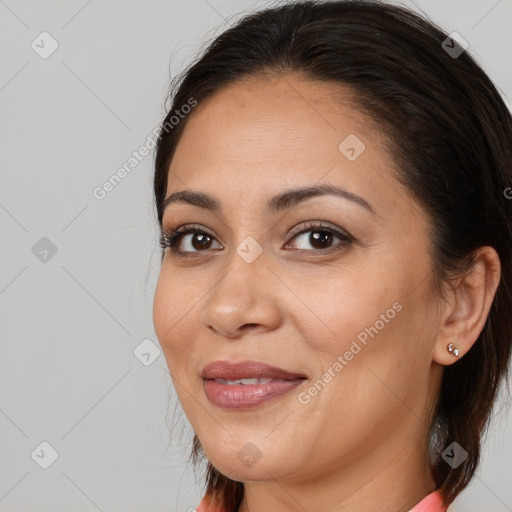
point(187, 228)
point(319, 224)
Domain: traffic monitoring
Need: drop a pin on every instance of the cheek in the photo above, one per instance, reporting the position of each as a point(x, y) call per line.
point(172, 313)
point(367, 331)
point(173, 319)
point(164, 304)
point(377, 351)
point(381, 299)
point(347, 308)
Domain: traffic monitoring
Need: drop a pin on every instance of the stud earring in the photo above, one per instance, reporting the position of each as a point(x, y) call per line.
point(454, 351)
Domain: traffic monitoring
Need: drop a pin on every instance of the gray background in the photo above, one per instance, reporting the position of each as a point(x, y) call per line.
point(70, 321)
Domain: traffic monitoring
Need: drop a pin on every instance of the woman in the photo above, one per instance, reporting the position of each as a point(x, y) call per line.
point(333, 301)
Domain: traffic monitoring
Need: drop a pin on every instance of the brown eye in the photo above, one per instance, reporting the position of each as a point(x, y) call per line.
point(320, 238)
point(187, 240)
point(201, 241)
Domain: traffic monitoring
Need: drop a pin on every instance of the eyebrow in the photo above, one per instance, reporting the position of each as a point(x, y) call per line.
point(283, 201)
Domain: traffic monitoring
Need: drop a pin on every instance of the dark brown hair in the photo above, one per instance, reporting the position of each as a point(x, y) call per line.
point(451, 136)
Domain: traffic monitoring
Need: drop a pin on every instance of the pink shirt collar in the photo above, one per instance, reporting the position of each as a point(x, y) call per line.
point(431, 503)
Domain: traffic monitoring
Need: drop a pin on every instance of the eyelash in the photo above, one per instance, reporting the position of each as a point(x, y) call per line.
point(169, 239)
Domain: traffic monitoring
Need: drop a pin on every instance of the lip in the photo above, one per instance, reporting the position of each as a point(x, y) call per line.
point(246, 370)
point(244, 396)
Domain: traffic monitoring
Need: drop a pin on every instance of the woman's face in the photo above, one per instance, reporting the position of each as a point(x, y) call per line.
point(334, 288)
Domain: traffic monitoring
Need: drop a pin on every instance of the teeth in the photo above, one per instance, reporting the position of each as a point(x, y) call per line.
point(244, 382)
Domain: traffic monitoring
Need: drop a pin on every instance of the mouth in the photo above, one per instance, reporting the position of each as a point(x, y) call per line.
point(246, 384)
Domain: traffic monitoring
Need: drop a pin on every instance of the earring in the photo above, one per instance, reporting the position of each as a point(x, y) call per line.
point(454, 351)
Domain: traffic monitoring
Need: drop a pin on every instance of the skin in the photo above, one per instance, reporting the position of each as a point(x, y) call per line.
point(361, 443)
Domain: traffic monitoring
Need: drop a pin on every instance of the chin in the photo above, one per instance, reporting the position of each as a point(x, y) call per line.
point(242, 473)
point(249, 463)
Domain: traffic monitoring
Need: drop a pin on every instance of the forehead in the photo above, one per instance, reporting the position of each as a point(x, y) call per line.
point(275, 132)
point(270, 123)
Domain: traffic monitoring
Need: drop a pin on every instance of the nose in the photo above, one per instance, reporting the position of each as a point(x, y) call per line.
point(243, 297)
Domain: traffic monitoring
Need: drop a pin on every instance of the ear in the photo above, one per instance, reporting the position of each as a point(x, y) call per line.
point(467, 306)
